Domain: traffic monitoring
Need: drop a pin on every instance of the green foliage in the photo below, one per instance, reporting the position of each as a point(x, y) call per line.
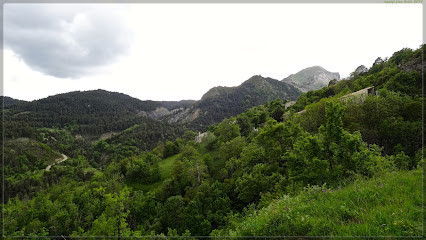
point(142, 210)
point(260, 179)
point(333, 130)
point(332, 154)
point(209, 141)
point(402, 161)
point(113, 220)
point(245, 124)
point(276, 139)
point(232, 148)
point(189, 136)
point(172, 213)
point(170, 149)
point(257, 173)
point(387, 120)
point(387, 206)
point(144, 170)
point(401, 55)
point(305, 163)
point(147, 134)
point(227, 130)
point(8, 101)
point(276, 109)
point(98, 111)
point(401, 73)
point(404, 82)
point(313, 117)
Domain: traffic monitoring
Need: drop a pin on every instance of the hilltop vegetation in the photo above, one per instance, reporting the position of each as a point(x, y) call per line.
point(337, 168)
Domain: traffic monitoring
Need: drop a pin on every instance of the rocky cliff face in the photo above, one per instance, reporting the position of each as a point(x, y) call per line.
point(311, 78)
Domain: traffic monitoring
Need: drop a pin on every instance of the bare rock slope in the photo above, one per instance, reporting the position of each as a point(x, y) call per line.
point(311, 78)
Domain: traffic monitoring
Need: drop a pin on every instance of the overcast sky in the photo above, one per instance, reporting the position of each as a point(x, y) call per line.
point(179, 51)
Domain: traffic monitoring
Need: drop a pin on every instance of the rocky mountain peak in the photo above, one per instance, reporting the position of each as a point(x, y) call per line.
point(311, 78)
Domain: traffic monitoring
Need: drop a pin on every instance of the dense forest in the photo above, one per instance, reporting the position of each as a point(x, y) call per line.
point(8, 101)
point(85, 113)
point(338, 162)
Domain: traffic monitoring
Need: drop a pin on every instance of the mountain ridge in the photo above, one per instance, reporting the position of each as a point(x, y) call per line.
point(123, 111)
point(221, 102)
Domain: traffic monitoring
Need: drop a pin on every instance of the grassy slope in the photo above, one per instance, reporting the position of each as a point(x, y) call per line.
point(387, 206)
point(166, 168)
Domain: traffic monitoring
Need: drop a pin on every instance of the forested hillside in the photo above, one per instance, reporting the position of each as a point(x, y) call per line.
point(332, 164)
point(222, 102)
point(8, 101)
point(90, 112)
point(390, 115)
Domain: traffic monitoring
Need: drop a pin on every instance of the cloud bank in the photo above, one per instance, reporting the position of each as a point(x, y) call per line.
point(65, 41)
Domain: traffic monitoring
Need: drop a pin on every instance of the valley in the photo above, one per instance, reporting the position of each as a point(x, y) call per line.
point(309, 155)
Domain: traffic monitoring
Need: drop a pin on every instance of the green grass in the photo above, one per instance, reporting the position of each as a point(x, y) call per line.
point(166, 169)
point(390, 205)
point(166, 166)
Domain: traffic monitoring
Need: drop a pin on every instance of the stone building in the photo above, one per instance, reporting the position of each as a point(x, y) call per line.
point(358, 96)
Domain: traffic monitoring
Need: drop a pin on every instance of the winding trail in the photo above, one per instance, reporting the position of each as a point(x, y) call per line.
point(58, 160)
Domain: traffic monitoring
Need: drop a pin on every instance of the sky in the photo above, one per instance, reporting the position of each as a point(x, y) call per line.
point(180, 51)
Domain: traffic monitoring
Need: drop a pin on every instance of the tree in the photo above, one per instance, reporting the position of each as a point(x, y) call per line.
point(277, 138)
point(245, 124)
point(189, 136)
point(332, 82)
point(276, 110)
point(113, 220)
point(251, 184)
point(142, 209)
point(232, 148)
point(227, 130)
point(170, 149)
point(306, 162)
point(172, 213)
point(358, 71)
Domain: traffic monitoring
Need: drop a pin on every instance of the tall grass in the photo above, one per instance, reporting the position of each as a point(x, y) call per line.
point(390, 205)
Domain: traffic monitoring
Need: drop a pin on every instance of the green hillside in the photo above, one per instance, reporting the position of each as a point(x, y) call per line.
point(332, 164)
point(8, 101)
point(88, 113)
point(388, 205)
point(222, 102)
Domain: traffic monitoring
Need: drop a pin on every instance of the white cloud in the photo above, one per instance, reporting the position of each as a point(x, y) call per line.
point(65, 41)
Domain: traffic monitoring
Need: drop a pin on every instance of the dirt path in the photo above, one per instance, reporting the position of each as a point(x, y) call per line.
point(58, 160)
